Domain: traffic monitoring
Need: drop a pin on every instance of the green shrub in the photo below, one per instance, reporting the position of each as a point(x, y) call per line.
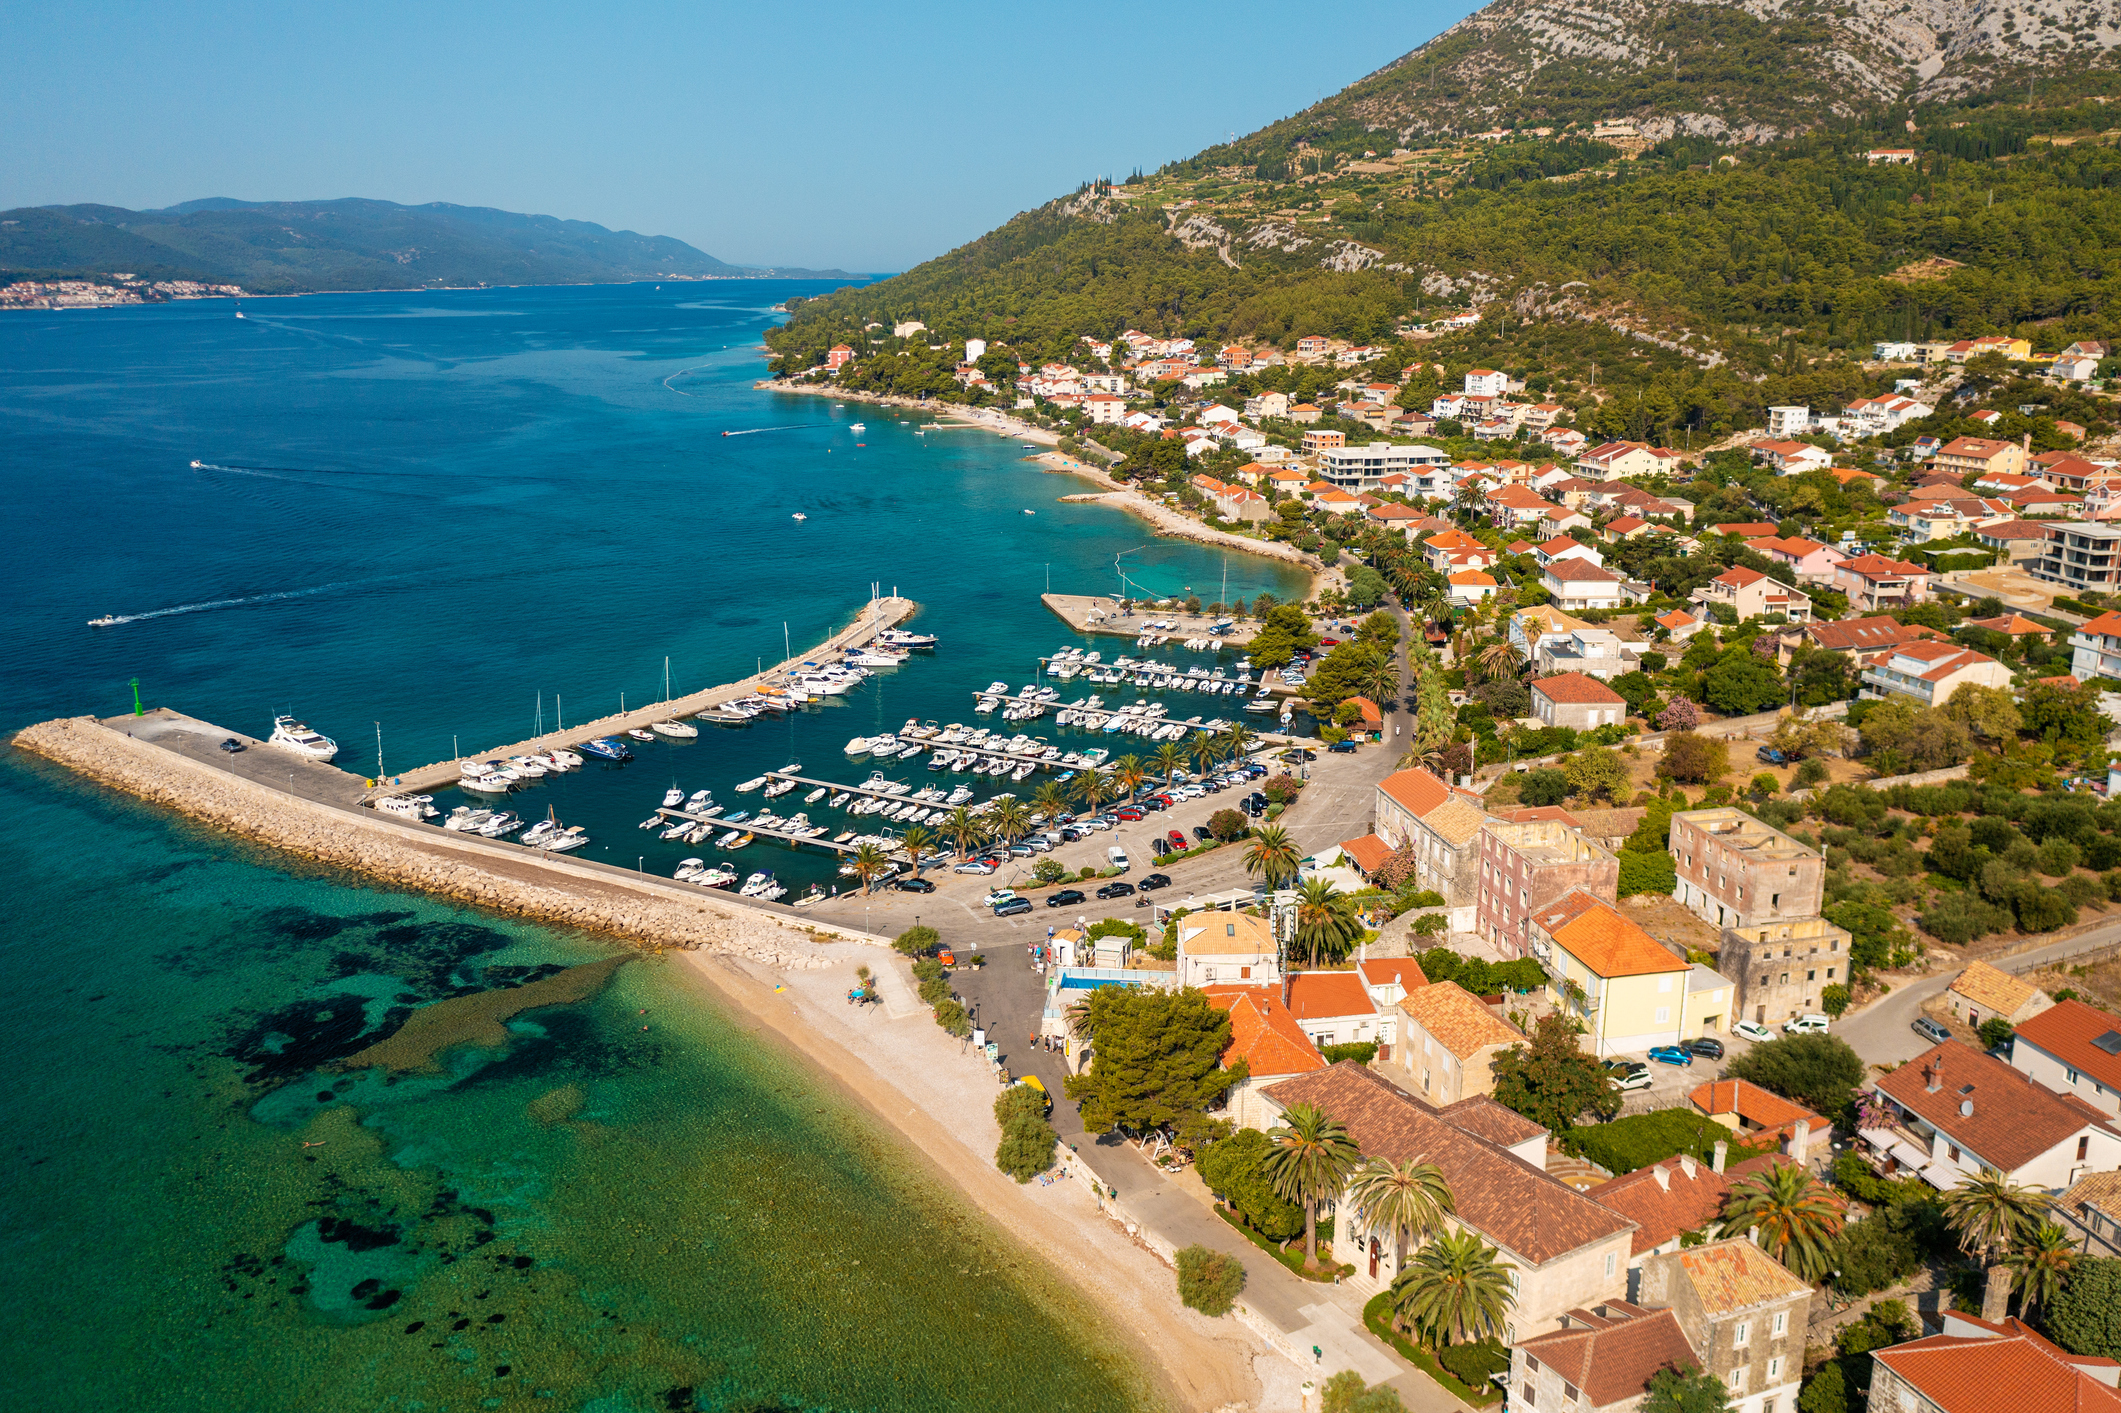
point(1646, 873)
point(1834, 1000)
point(1026, 1149)
point(1820, 1071)
point(1545, 787)
point(1471, 1364)
point(2086, 1317)
point(1049, 870)
point(1996, 1031)
point(1208, 1280)
point(934, 991)
point(2082, 891)
point(1809, 772)
point(1360, 1051)
point(1623, 1145)
point(913, 939)
point(1234, 1170)
point(2041, 909)
point(952, 1016)
point(1959, 918)
point(1346, 1392)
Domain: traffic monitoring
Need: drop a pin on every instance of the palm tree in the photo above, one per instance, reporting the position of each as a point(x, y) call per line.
point(1325, 920)
point(1499, 660)
point(869, 861)
point(1791, 1216)
point(2042, 1264)
point(1409, 1200)
point(915, 842)
point(1093, 788)
point(1380, 680)
point(1170, 760)
point(1272, 855)
point(1309, 1162)
point(965, 829)
point(1009, 820)
point(1238, 740)
point(1128, 773)
point(1455, 1289)
point(1991, 1213)
point(1206, 750)
point(1050, 799)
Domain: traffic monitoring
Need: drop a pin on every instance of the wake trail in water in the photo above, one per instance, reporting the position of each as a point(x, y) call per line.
point(755, 431)
point(117, 618)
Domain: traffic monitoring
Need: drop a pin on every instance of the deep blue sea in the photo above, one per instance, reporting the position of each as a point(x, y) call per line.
point(451, 517)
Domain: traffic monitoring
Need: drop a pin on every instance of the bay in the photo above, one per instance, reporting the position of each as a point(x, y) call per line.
point(452, 515)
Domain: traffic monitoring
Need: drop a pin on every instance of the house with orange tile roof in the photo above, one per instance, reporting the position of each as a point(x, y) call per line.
point(1963, 455)
point(1681, 624)
point(2073, 1049)
point(1576, 701)
point(1266, 1036)
point(1874, 583)
point(1743, 1312)
point(1982, 992)
point(1224, 948)
point(1625, 527)
point(1366, 853)
point(1334, 1008)
point(1928, 673)
point(1811, 559)
point(1449, 1041)
point(1470, 586)
point(1760, 1116)
point(1511, 506)
point(1748, 593)
point(1390, 978)
point(1629, 990)
point(1577, 584)
point(1974, 1366)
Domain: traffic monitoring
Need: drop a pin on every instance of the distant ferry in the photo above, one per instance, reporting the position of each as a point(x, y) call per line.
point(291, 735)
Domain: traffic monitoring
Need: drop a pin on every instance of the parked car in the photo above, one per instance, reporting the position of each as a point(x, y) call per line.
point(1706, 1046)
point(1012, 907)
point(1814, 1024)
point(1064, 897)
point(1129, 813)
point(1671, 1055)
point(1071, 832)
point(1155, 881)
point(1021, 851)
point(1633, 1079)
point(915, 885)
point(1931, 1031)
point(1202, 832)
point(1117, 858)
point(1116, 889)
point(1747, 1030)
point(1342, 748)
point(232, 746)
point(1159, 847)
point(1771, 756)
point(1153, 802)
point(980, 866)
point(1178, 840)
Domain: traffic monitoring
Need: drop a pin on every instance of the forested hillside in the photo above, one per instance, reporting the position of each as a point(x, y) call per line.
point(1758, 260)
point(291, 246)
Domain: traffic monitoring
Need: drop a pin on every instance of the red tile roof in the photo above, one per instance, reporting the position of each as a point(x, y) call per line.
point(1317, 995)
point(2011, 1371)
point(1405, 972)
point(1751, 530)
point(1757, 1107)
point(1608, 943)
point(1667, 1199)
point(1415, 790)
point(1877, 566)
point(1534, 1217)
point(1482, 1117)
point(1534, 814)
point(2067, 1029)
point(1263, 1033)
point(2015, 1119)
point(1577, 689)
point(1575, 570)
point(1613, 1360)
point(1868, 634)
point(1368, 851)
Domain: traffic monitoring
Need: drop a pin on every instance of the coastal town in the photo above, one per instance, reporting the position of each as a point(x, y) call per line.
point(1709, 896)
point(107, 292)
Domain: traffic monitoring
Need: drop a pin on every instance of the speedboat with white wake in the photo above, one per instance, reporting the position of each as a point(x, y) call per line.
point(291, 735)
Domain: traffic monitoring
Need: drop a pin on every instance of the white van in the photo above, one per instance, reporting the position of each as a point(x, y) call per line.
point(1813, 1024)
point(1117, 857)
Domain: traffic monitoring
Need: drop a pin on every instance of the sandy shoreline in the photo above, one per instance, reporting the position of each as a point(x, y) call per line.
point(989, 419)
point(907, 1072)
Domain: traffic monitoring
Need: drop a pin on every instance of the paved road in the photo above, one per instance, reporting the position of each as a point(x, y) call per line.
point(268, 765)
point(1881, 1032)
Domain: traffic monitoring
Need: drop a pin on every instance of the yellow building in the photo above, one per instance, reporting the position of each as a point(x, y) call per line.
point(1629, 990)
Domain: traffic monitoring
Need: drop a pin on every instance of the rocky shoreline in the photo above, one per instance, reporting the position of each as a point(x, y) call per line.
point(649, 914)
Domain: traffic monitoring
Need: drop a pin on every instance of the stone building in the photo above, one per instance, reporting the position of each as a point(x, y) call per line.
point(1781, 968)
point(1441, 824)
point(1744, 1315)
point(1529, 858)
point(1451, 1041)
point(1735, 870)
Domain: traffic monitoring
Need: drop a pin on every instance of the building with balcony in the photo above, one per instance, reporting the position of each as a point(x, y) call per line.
point(2073, 1049)
point(1738, 871)
point(1955, 1111)
point(1529, 859)
point(1579, 584)
point(2096, 648)
point(1629, 990)
point(1874, 583)
point(1748, 593)
point(1594, 652)
point(1928, 673)
point(1961, 455)
point(2081, 556)
point(1363, 468)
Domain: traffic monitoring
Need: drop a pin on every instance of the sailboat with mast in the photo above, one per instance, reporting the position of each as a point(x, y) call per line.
point(679, 730)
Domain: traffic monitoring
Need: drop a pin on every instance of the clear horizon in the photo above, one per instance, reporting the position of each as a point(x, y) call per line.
point(830, 137)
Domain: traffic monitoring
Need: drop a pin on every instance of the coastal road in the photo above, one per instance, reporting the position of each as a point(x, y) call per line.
point(1881, 1032)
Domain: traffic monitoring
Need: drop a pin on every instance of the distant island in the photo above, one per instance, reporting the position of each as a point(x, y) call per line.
point(219, 246)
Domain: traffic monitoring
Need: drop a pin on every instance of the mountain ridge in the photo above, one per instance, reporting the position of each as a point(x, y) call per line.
point(347, 244)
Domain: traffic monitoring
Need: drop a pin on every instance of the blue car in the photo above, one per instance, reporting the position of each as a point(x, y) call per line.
point(1672, 1055)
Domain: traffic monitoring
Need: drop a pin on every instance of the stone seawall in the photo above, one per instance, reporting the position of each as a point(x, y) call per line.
point(567, 892)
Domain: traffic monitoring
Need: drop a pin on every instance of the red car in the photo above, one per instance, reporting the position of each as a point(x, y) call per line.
point(1178, 840)
point(1128, 812)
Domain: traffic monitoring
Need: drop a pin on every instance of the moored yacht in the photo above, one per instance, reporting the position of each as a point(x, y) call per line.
point(291, 735)
point(683, 731)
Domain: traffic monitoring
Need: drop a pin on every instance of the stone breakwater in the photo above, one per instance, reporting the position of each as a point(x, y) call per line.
point(647, 913)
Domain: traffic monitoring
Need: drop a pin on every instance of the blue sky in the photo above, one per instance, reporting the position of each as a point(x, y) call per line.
point(864, 137)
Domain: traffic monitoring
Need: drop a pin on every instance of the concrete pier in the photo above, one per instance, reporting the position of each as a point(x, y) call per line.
point(1100, 614)
point(875, 617)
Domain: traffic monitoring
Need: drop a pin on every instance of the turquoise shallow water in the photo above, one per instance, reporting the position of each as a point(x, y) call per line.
point(443, 508)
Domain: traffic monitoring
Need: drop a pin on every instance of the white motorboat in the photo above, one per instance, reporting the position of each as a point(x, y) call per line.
point(408, 806)
point(291, 735)
point(900, 638)
point(536, 835)
point(639, 735)
point(752, 784)
point(814, 796)
point(529, 767)
point(573, 836)
point(464, 819)
point(856, 427)
point(503, 823)
point(490, 783)
point(860, 745)
point(680, 730)
point(881, 746)
point(689, 869)
point(565, 760)
point(677, 830)
point(673, 797)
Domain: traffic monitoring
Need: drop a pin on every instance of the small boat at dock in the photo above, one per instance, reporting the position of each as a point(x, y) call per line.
point(291, 735)
point(677, 729)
